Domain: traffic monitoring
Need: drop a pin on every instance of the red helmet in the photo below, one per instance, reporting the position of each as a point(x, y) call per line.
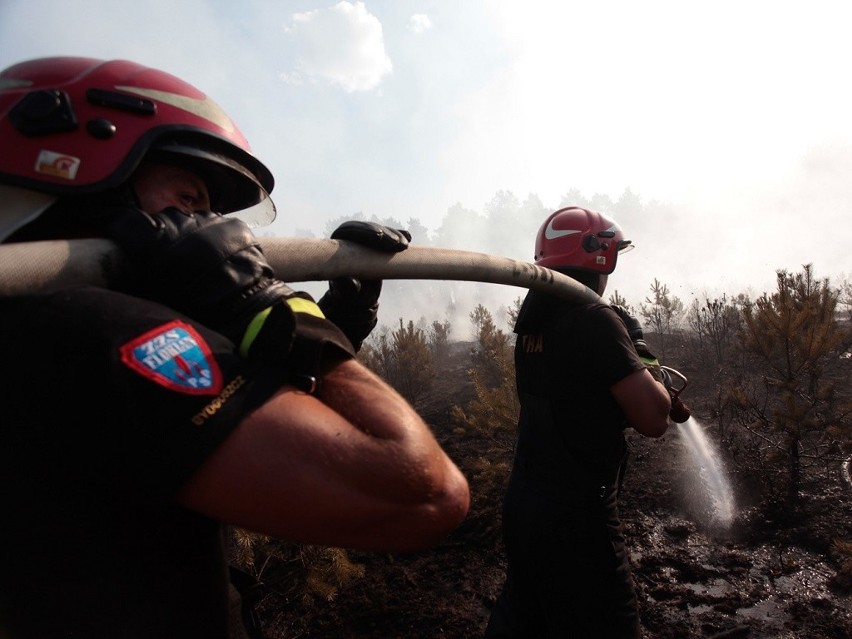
point(80, 125)
point(576, 238)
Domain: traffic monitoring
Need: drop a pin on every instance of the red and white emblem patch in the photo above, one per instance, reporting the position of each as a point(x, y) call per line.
point(174, 355)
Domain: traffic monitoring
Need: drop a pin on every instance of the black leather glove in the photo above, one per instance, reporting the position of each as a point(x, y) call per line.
point(372, 235)
point(354, 304)
point(211, 268)
point(637, 336)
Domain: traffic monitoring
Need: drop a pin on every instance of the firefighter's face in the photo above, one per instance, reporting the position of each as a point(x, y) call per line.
point(160, 186)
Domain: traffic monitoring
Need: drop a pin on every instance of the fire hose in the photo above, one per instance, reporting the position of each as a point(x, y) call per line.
point(41, 267)
point(47, 266)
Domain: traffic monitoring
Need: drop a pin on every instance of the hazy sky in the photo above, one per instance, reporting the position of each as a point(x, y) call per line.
point(735, 115)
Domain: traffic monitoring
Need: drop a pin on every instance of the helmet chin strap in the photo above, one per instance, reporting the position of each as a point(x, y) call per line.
point(20, 207)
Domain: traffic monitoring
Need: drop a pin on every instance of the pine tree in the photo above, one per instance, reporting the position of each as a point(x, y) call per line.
point(662, 312)
point(439, 341)
point(403, 358)
point(715, 324)
point(495, 409)
point(784, 396)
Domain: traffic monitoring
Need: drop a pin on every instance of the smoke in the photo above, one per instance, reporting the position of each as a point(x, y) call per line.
point(732, 243)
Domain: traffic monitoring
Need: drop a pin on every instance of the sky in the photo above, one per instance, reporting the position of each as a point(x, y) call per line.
point(733, 117)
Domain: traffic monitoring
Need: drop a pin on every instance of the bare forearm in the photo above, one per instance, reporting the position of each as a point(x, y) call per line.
point(370, 404)
point(645, 403)
point(405, 447)
point(352, 466)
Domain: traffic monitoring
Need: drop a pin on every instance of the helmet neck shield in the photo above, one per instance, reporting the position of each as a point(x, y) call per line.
point(20, 207)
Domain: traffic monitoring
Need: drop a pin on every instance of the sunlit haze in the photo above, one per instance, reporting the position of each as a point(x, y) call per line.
point(728, 123)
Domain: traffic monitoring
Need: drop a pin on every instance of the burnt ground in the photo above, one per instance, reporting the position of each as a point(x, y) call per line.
point(780, 575)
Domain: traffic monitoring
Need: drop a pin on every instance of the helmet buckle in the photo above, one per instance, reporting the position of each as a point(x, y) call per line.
point(591, 243)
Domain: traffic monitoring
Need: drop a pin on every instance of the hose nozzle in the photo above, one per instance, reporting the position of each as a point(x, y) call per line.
point(679, 412)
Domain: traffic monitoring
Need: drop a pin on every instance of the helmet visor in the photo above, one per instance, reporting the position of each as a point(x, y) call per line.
point(261, 214)
point(234, 189)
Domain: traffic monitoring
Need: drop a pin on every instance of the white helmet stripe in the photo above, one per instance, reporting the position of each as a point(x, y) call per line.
point(205, 108)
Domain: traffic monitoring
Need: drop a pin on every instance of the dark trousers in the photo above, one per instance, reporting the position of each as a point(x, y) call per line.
point(568, 574)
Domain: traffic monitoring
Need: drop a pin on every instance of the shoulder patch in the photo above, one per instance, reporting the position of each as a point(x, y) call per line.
point(175, 356)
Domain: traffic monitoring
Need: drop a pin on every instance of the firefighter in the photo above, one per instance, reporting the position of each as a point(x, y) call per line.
point(581, 383)
point(202, 392)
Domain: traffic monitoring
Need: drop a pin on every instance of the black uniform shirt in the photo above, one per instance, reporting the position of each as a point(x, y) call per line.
point(567, 356)
point(108, 404)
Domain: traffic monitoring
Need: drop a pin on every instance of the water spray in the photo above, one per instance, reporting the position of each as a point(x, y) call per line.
point(705, 459)
point(708, 467)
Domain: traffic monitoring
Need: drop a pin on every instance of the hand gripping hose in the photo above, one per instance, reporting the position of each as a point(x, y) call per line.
point(35, 267)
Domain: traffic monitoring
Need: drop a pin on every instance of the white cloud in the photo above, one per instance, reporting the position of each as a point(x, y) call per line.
point(419, 22)
point(342, 46)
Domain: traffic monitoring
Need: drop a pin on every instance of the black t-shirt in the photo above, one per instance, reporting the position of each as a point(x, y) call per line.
point(108, 404)
point(567, 356)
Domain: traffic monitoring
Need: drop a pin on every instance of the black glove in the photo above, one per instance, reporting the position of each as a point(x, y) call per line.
point(354, 304)
point(211, 268)
point(371, 235)
point(637, 336)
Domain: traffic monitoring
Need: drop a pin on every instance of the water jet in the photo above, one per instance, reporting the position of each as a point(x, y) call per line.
point(705, 460)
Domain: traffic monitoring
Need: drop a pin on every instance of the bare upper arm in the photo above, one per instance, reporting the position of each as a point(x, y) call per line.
point(299, 469)
point(645, 403)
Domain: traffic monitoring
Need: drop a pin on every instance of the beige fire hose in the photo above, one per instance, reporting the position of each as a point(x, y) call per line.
point(32, 267)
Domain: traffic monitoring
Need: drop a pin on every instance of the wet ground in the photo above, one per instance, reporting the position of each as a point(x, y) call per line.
point(761, 577)
point(697, 586)
point(748, 573)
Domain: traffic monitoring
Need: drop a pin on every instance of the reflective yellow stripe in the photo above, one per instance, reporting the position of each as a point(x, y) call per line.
point(296, 304)
point(253, 329)
point(301, 305)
